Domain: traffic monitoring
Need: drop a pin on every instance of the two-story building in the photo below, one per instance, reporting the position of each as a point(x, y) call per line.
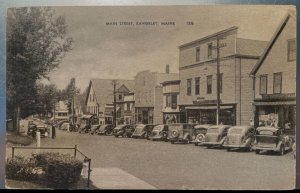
point(198, 72)
point(128, 109)
point(149, 96)
point(100, 98)
point(274, 77)
point(171, 113)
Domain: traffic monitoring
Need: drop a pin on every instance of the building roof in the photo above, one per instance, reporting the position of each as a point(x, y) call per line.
point(209, 36)
point(162, 77)
point(103, 89)
point(170, 82)
point(248, 47)
point(272, 41)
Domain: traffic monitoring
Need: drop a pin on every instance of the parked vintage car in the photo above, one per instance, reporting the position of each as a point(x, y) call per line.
point(142, 131)
point(180, 132)
point(94, 129)
point(43, 130)
point(240, 137)
point(86, 123)
point(215, 136)
point(270, 138)
point(123, 130)
point(105, 129)
point(159, 132)
point(31, 130)
point(199, 133)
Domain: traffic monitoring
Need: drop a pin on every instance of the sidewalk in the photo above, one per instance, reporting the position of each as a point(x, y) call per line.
point(115, 178)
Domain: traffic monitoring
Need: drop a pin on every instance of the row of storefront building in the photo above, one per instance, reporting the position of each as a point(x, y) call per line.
point(257, 84)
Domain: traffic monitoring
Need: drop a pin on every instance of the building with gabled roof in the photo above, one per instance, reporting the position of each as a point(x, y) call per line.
point(100, 97)
point(198, 78)
point(274, 77)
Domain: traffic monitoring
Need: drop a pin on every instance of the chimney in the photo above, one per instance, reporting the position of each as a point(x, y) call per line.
point(167, 69)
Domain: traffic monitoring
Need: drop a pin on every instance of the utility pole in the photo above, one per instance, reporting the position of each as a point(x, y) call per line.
point(114, 82)
point(218, 78)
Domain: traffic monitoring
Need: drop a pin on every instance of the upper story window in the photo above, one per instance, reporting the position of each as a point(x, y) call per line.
point(263, 84)
point(120, 97)
point(209, 50)
point(209, 84)
point(197, 86)
point(128, 107)
point(171, 101)
point(221, 82)
point(277, 82)
point(197, 54)
point(291, 49)
point(189, 87)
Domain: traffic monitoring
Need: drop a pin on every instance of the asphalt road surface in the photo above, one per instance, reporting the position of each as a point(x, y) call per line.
point(182, 166)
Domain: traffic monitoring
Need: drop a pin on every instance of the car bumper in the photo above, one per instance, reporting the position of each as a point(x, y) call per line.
point(241, 145)
point(265, 148)
point(211, 143)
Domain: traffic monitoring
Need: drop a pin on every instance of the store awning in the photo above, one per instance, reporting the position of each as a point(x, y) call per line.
point(274, 103)
point(86, 116)
point(207, 107)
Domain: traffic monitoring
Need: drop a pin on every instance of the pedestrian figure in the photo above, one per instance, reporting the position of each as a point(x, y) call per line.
point(53, 131)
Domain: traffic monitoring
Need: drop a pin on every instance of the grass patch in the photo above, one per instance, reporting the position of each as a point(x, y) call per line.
point(19, 139)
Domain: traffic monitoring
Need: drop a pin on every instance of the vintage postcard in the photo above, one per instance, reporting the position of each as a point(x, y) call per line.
point(151, 97)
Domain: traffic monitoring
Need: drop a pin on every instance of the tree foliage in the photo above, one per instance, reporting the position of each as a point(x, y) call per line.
point(37, 41)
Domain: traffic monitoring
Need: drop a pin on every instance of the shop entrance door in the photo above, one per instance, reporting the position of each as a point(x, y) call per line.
point(145, 115)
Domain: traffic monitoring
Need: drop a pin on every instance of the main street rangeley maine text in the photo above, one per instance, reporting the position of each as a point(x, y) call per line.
point(185, 97)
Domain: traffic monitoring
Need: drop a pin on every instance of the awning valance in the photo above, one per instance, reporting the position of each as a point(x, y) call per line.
point(274, 103)
point(207, 107)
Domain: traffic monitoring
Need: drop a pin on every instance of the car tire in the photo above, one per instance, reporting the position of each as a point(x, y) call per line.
point(257, 151)
point(172, 142)
point(196, 144)
point(116, 136)
point(281, 150)
point(108, 133)
point(228, 149)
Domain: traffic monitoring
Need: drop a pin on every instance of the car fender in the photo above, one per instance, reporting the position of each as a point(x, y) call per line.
point(185, 136)
point(223, 140)
point(248, 142)
point(279, 144)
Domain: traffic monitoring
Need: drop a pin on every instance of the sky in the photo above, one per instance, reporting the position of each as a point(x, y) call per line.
point(109, 51)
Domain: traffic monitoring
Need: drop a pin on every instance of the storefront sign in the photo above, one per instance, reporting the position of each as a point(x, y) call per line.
point(278, 96)
point(205, 102)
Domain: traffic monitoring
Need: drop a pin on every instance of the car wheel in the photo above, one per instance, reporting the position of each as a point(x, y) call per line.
point(228, 149)
point(188, 140)
point(281, 150)
point(116, 136)
point(257, 151)
point(172, 142)
point(108, 133)
point(196, 144)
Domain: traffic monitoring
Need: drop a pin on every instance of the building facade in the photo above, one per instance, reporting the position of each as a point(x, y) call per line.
point(274, 78)
point(100, 98)
point(171, 113)
point(198, 84)
point(149, 96)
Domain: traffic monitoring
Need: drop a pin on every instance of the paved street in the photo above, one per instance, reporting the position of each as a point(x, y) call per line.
point(182, 166)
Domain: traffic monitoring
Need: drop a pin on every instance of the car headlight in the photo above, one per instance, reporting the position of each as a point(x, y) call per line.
point(174, 133)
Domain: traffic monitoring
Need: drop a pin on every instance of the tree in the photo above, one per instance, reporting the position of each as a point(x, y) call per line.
point(37, 41)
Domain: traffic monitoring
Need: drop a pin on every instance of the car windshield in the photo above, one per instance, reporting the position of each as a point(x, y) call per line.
point(213, 130)
point(235, 131)
point(158, 127)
